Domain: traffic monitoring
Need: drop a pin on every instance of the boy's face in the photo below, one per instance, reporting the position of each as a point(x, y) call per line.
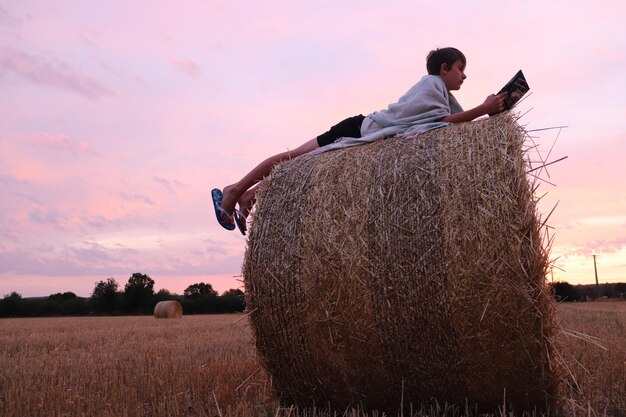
point(453, 77)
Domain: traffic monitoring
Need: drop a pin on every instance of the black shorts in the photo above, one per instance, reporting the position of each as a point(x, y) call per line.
point(351, 128)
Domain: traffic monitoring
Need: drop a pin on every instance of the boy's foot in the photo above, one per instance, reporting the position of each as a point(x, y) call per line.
point(246, 201)
point(225, 219)
point(240, 221)
point(229, 199)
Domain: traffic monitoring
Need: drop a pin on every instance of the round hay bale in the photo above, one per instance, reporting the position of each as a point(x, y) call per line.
point(168, 310)
point(407, 270)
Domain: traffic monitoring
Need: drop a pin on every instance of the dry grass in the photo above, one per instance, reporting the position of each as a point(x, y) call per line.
point(594, 347)
point(139, 366)
point(128, 366)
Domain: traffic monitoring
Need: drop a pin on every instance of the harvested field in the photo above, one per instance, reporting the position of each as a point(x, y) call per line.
point(139, 366)
point(128, 366)
point(594, 347)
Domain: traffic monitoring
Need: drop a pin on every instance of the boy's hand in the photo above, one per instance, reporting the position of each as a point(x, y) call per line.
point(495, 103)
point(492, 105)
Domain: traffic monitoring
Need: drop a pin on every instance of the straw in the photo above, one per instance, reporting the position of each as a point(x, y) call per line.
point(404, 271)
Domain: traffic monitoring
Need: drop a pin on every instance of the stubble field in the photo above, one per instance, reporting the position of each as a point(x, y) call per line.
point(206, 366)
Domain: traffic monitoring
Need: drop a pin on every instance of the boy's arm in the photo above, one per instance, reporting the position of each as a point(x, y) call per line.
point(493, 104)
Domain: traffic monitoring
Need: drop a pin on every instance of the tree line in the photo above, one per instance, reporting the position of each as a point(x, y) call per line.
point(136, 298)
point(564, 291)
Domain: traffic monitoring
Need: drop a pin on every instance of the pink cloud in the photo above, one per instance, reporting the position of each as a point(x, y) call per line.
point(9, 233)
point(603, 246)
point(169, 185)
point(54, 73)
point(48, 217)
point(59, 143)
point(7, 20)
point(188, 67)
point(26, 169)
point(94, 258)
point(137, 198)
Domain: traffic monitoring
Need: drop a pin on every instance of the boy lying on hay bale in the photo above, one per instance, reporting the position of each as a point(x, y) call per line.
point(427, 105)
point(405, 271)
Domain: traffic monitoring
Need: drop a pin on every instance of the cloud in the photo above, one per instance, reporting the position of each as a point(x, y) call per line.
point(7, 20)
point(50, 217)
point(94, 254)
point(99, 222)
point(188, 67)
point(94, 258)
point(594, 247)
point(9, 179)
point(604, 246)
point(169, 185)
point(53, 73)
point(604, 221)
point(137, 197)
point(9, 234)
point(52, 263)
point(60, 143)
point(596, 221)
point(29, 197)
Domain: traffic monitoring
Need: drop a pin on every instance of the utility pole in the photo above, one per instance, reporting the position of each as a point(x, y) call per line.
point(595, 268)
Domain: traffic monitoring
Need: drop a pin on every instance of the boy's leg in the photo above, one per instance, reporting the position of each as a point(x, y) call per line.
point(247, 200)
point(232, 193)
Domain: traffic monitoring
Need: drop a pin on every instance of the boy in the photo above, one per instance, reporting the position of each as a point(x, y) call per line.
point(427, 105)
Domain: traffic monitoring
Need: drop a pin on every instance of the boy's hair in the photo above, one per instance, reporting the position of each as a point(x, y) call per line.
point(440, 56)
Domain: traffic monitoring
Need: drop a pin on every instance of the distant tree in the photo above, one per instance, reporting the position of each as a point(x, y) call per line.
point(200, 298)
point(104, 296)
point(614, 290)
point(141, 284)
point(66, 303)
point(14, 295)
point(233, 293)
point(163, 295)
point(58, 297)
point(11, 304)
point(76, 306)
point(587, 292)
point(233, 300)
point(564, 291)
point(199, 290)
point(106, 288)
point(139, 292)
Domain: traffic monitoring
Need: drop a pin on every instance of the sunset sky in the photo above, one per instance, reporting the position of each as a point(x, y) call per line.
point(118, 117)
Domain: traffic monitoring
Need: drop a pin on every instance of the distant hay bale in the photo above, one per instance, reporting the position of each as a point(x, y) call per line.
point(168, 310)
point(408, 270)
